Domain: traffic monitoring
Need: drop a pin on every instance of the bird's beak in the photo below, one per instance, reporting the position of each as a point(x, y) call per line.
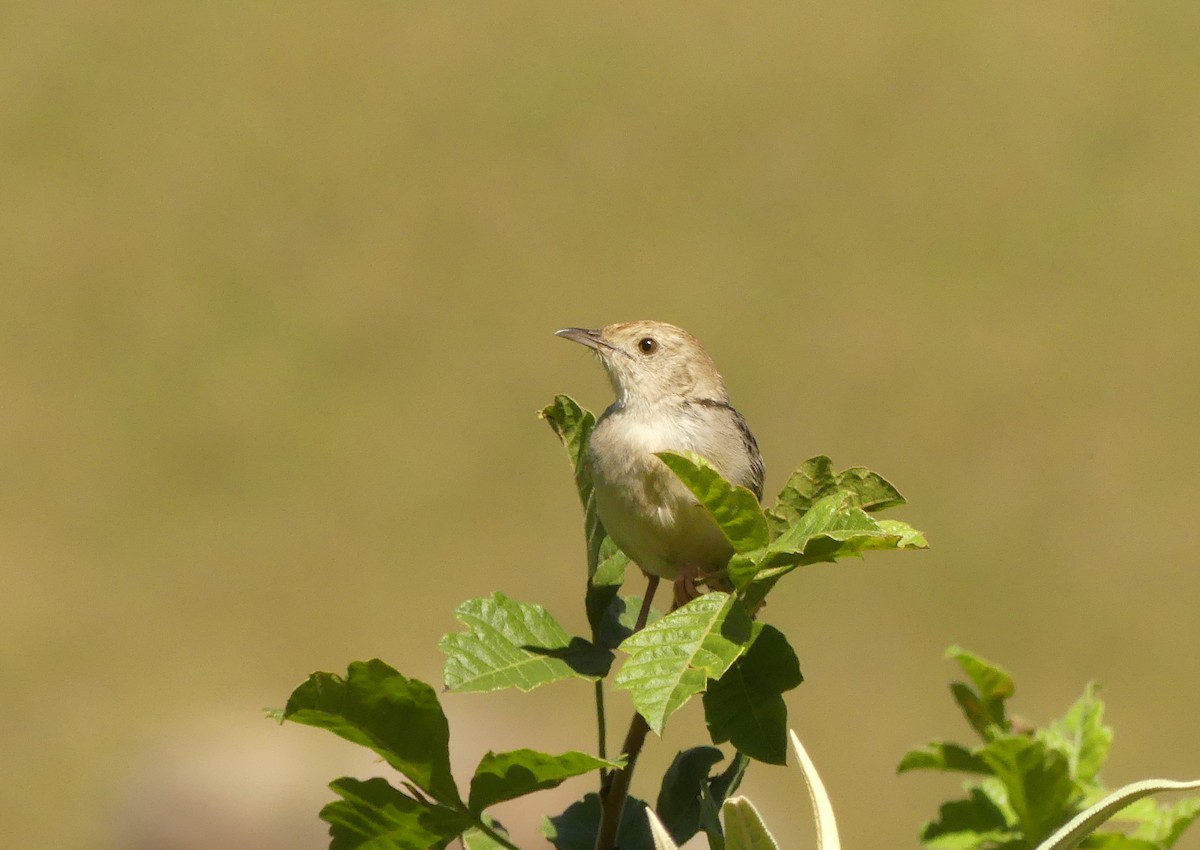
point(583, 336)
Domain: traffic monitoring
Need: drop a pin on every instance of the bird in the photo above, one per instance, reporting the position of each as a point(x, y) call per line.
point(669, 397)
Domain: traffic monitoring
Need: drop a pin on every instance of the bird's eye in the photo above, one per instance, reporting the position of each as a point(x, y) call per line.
point(648, 345)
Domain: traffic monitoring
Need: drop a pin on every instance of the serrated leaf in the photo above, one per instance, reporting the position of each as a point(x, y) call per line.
point(1081, 736)
point(991, 680)
point(673, 659)
point(746, 707)
point(840, 529)
point(832, 517)
point(606, 562)
point(815, 479)
point(983, 707)
point(1161, 824)
point(574, 425)
point(744, 827)
point(476, 839)
point(814, 537)
point(399, 718)
point(576, 828)
point(620, 619)
point(1176, 819)
point(944, 756)
point(506, 776)
point(610, 572)
point(604, 586)
point(734, 509)
point(1037, 780)
point(972, 707)
point(906, 536)
point(975, 822)
point(682, 792)
point(510, 644)
point(832, 529)
point(372, 815)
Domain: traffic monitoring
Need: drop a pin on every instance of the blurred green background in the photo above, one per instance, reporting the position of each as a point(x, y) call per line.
point(279, 287)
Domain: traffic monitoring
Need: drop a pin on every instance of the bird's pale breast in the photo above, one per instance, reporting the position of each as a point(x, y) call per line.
point(648, 512)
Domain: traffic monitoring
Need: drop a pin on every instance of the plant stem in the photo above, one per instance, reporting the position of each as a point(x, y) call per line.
point(612, 799)
point(614, 790)
point(601, 730)
point(498, 837)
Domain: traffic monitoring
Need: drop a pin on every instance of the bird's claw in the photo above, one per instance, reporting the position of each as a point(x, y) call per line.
point(685, 586)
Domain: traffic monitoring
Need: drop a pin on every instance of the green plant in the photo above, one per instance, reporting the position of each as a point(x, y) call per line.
point(1032, 782)
point(713, 647)
point(1035, 789)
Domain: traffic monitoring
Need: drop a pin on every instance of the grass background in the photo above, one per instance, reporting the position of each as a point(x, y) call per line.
point(279, 284)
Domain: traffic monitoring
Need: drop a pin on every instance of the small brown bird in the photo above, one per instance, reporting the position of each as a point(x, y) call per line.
point(670, 397)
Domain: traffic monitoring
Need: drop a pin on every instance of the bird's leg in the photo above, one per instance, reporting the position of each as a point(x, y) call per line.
point(685, 585)
point(644, 614)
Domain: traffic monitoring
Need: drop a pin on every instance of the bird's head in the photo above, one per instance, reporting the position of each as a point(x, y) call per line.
point(649, 362)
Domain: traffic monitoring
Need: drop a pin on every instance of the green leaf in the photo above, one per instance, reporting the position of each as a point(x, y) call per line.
point(832, 529)
point(603, 588)
point(506, 776)
point(606, 562)
point(476, 839)
point(991, 680)
point(510, 644)
point(1037, 780)
point(815, 479)
point(1176, 819)
point(1163, 824)
point(621, 618)
point(746, 707)
point(398, 718)
point(673, 659)
point(1074, 831)
point(1118, 841)
point(831, 522)
point(574, 425)
point(735, 509)
point(906, 536)
point(679, 800)
point(983, 707)
point(823, 817)
point(943, 755)
point(729, 779)
point(610, 572)
point(372, 815)
point(744, 827)
point(576, 828)
point(1143, 811)
point(975, 822)
point(715, 793)
point(1081, 736)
